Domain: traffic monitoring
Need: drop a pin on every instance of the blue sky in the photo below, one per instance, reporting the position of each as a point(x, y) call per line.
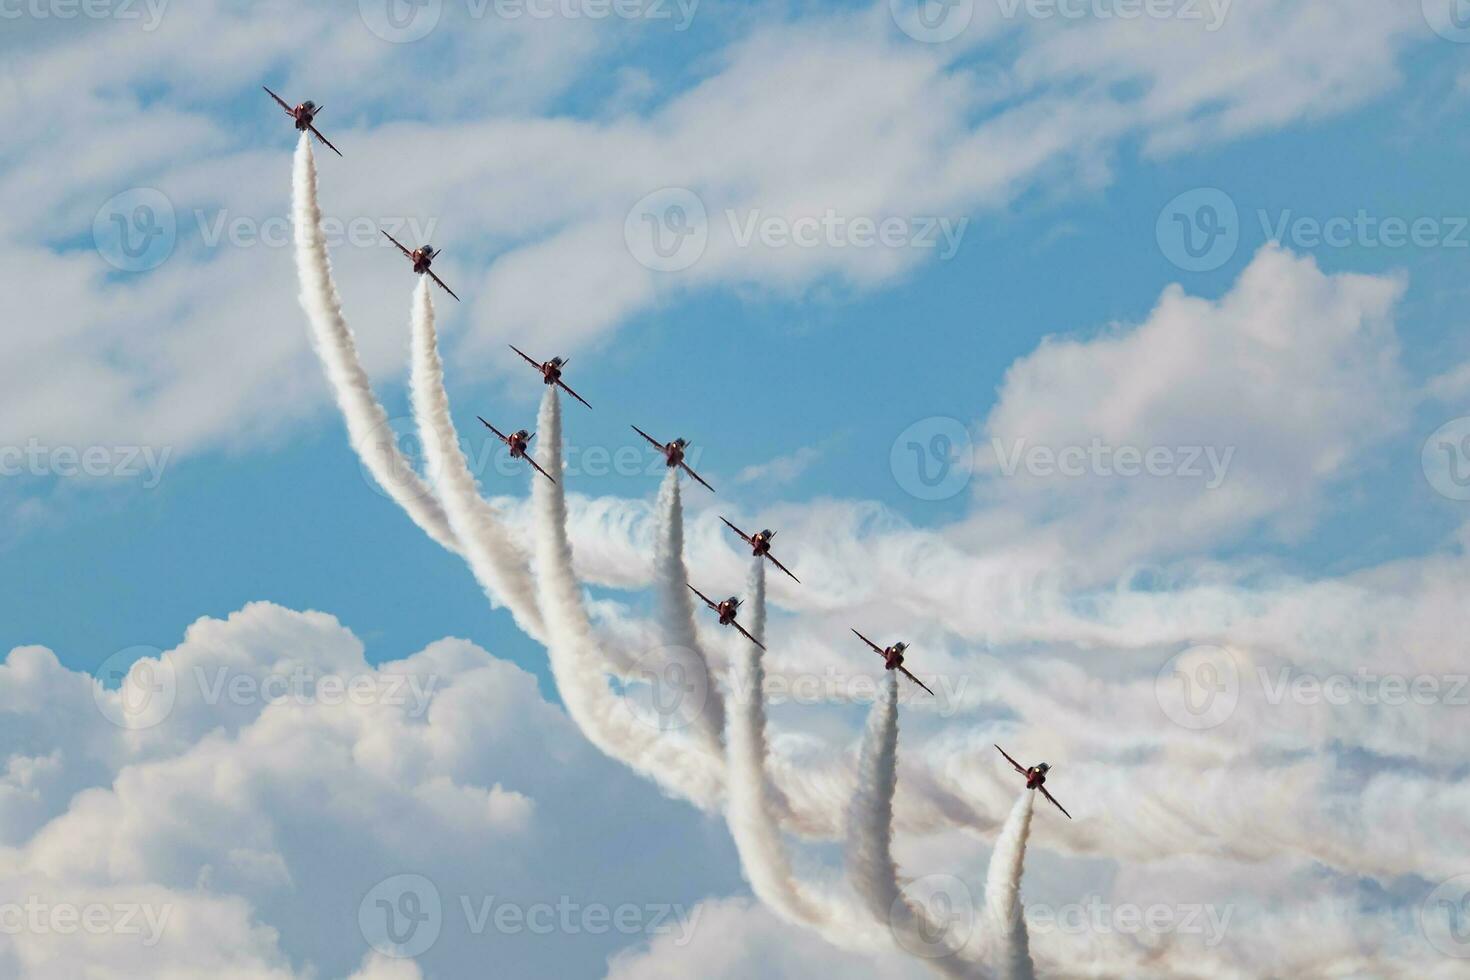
point(751, 377)
point(1056, 146)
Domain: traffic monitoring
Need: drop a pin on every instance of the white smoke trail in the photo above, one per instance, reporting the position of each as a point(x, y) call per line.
point(367, 422)
point(870, 864)
point(497, 563)
point(676, 613)
point(1004, 924)
point(753, 809)
point(682, 766)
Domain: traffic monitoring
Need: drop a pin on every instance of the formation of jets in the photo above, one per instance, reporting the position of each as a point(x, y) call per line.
point(304, 118)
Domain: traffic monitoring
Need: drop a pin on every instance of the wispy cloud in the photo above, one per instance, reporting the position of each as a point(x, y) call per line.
point(782, 469)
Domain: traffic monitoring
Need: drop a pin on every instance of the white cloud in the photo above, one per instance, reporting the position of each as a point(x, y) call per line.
point(252, 820)
point(1231, 413)
point(209, 348)
point(782, 469)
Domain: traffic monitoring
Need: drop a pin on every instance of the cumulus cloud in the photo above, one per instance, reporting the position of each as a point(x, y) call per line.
point(1207, 418)
point(242, 831)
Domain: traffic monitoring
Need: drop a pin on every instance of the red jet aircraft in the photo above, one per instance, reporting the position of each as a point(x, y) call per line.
point(674, 455)
point(422, 258)
point(726, 611)
point(760, 546)
point(1035, 778)
point(551, 372)
point(893, 659)
point(517, 441)
point(304, 114)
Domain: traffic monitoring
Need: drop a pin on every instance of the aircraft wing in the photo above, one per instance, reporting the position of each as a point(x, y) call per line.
point(539, 469)
point(916, 681)
point(876, 648)
point(1019, 768)
point(707, 600)
point(1054, 801)
point(529, 359)
point(317, 133)
point(279, 100)
point(494, 430)
point(747, 635)
point(686, 469)
point(398, 243)
point(783, 568)
point(567, 388)
point(650, 438)
point(737, 530)
point(430, 274)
